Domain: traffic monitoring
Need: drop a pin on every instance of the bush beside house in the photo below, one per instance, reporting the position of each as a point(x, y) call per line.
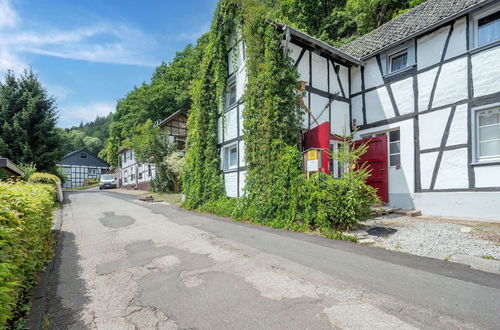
point(26, 213)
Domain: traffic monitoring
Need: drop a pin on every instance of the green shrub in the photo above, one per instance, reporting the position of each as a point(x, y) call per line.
point(60, 174)
point(25, 243)
point(90, 181)
point(44, 178)
point(28, 170)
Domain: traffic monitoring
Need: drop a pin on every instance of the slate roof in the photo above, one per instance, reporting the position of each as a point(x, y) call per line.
point(416, 21)
point(74, 158)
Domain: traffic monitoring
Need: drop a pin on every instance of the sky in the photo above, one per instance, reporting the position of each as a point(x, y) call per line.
point(90, 53)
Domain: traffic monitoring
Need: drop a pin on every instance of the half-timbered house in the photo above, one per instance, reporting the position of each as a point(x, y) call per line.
point(423, 90)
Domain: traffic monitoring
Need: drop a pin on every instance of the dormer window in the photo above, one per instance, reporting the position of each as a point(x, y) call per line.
point(398, 61)
point(488, 29)
point(83, 155)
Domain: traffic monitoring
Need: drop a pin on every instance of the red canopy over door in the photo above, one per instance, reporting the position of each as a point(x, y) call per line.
point(376, 158)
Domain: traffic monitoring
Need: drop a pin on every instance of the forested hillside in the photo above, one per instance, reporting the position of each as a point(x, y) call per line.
point(91, 135)
point(334, 21)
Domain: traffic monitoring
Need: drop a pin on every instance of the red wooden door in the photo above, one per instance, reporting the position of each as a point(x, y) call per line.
point(376, 158)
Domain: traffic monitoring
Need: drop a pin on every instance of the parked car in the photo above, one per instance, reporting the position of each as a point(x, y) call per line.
point(107, 181)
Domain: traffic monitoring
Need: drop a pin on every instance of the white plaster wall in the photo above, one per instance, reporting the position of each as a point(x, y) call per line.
point(430, 47)
point(318, 104)
point(378, 105)
point(241, 81)
point(303, 67)
point(486, 71)
point(476, 205)
point(230, 126)
point(340, 118)
point(427, 163)
point(319, 72)
point(458, 129)
point(243, 176)
point(458, 41)
point(305, 114)
point(487, 176)
point(344, 79)
point(425, 83)
point(373, 77)
point(453, 172)
point(452, 83)
point(431, 128)
point(219, 130)
point(294, 51)
point(241, 151)
point(357, 109)
point(355, 79)
point(403, 95)
point(334, 84)
point(231, 184)
point(240, 124)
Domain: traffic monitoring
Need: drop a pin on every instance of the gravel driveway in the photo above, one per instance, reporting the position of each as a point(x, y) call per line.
point(475, 244)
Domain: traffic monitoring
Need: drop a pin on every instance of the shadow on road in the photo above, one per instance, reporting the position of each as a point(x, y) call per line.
point(67, 295)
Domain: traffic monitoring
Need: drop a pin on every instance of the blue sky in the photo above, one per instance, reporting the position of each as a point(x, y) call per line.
point(90, 53)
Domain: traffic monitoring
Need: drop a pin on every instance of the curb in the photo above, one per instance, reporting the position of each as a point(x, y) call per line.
point(39, 292)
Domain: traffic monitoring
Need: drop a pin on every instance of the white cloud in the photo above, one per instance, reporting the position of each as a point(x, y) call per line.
point(8, 17)
point(100, 41)
point(192, 37)
point(90, 111)
point(10, 61)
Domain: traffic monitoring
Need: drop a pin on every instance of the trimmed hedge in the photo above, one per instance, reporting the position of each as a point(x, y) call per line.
point(26, 213)
point(45, 178)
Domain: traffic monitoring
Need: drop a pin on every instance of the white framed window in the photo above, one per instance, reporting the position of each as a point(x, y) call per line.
point(230, 156)
point(487, 134)
point(92, 171)
point(231, 93)
point(394, 146)
point(486, 27)
point(398, 61)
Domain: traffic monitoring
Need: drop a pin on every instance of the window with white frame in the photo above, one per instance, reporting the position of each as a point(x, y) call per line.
point(488, 134)
point(230, 154)
point(231, 94)
point(394, 146)
point(488, 28)
point(398, 61)
point(92, 171)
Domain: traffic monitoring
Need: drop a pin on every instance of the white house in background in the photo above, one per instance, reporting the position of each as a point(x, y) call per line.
point(133, 175)
point(80, 165)
point(423, 89)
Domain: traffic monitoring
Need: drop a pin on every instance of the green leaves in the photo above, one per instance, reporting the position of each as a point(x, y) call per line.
point(25, 243)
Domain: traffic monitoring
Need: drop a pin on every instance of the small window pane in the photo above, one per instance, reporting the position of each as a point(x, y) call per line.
point(394, 136)
point(232, 95)
point(489, 133)
point(399, 61)
point(489, 117)
point(489, 149)
point(394, 148)
point(488, 29)
point(233, 157)
point(395, 160)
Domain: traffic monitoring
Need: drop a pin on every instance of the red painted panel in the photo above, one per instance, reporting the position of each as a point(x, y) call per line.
point(376, 158)
point(319, 137)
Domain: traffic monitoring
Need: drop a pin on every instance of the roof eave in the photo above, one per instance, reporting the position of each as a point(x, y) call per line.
point(323, 45)
point(429, 28)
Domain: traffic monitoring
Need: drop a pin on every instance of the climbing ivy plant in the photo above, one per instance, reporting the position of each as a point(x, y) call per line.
point(271, 116)
point(277, 193)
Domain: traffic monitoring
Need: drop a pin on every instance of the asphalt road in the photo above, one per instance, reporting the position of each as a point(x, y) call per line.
point(126, 264)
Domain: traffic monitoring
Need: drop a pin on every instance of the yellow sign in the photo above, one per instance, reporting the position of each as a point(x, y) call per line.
point(312, 155)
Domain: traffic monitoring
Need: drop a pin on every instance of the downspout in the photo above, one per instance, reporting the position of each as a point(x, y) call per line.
point(288, 37)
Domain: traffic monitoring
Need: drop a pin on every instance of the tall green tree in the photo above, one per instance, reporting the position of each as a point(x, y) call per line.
point(28, 116)
point(167, 92)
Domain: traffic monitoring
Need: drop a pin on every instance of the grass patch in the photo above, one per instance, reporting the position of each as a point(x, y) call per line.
point(488, 257)
point(447, 258)
point(173, 198)
point(82, 187)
